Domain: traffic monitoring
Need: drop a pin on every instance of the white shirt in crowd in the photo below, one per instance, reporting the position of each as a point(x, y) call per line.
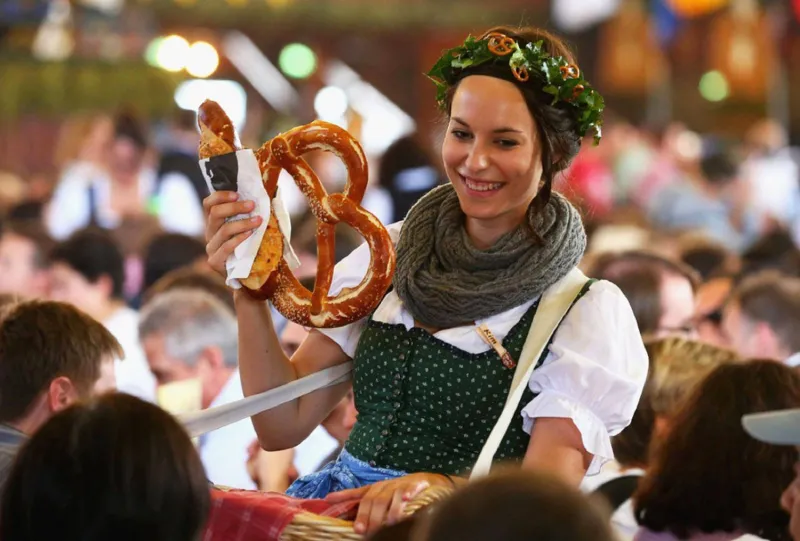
point(224, 452)
point(594, 372)
point(179, 209)
point(133, 373)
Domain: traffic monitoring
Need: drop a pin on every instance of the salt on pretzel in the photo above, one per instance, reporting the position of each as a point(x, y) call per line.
point(217, 137)
point(295, 302)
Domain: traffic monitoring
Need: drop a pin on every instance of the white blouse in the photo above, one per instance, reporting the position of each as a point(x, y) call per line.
point(593, 374)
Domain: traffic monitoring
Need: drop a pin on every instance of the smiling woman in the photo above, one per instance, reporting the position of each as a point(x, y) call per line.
point(435, 361)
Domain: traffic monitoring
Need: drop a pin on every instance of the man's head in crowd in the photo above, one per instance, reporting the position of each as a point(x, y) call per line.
point(53, 355)
point(762, 317)
point(190, 339)
point(776, 250)
point(23, 259)
point(168, 252)
point(515, 505)
point(719, 170)
point(88, 270)
point(660, 291)
point(707, 257)
point(115, 468)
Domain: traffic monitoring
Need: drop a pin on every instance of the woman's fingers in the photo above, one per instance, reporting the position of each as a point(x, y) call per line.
point(218, 258)
point(230, 230)
point(373, 508)
point(218, 214)
point(347, 495)
point(398, 505)
point(215, 198)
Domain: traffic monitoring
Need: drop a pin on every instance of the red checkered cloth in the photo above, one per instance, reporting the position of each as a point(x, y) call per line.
point(245, 515)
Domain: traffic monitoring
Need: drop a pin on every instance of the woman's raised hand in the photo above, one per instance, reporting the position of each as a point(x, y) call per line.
point(223, 237)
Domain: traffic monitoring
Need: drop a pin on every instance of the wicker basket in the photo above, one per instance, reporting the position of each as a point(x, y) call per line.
point(311, 527)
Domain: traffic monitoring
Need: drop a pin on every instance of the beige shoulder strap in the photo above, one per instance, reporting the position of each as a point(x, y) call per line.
point(553, 306)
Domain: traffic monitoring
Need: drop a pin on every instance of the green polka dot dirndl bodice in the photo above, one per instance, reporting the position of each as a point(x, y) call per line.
point(427, 406)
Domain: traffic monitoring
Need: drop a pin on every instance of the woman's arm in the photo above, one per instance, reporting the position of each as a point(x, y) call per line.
point(264, 365)
point(556, 447)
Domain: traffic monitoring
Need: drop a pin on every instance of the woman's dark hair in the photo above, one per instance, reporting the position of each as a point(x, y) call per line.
point(117, 468)
point(93, 253)
point(517, 505)
point(168, 252)
point(774, 251)
point(639, 275)
point(708, 475)
point(556, 124)
point(128, 126)
point(407, 172)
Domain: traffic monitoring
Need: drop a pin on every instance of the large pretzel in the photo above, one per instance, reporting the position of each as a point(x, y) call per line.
point(274, 280)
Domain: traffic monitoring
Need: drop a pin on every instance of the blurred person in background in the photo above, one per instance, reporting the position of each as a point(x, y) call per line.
point(180, 185)
point(661, 291)
point(13, 191)
point(717, 267)
point(24, 249)
point(406, 172)
point(712, 297)
point(53, 355)
point(87, 270)
point(190, 340)
point(771, 169)
point(677, 367)
point(114, 468)
point(708, 480)
point(82, 158)
point(713, 199)
point(589, 182)
point(707, 256)
point(105, 197)
point(515, 506)
point(127, 190)
point(167, 252)
point(762, 317)
point(775, 250)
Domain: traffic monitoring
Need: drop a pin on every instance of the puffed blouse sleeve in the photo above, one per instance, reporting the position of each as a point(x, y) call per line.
point(594, 373)
point(348, 273)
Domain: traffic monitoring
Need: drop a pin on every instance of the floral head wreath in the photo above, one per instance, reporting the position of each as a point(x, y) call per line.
point(561, 79)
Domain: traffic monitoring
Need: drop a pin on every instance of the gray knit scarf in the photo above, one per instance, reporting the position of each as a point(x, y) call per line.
point(445, 282)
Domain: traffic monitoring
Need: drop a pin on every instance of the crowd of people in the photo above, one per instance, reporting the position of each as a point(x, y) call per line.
point(631, 425)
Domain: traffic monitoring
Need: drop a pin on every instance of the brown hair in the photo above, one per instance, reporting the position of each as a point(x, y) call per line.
point(43, 340)
point(556, 124)
point(115, 468)
point(34, 233)
point(678, 366)
point(638, 274)
point(708, 475)
point(774, 299)
point(517, 505)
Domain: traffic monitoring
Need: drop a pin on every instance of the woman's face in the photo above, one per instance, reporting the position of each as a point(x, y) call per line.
point(491, 152)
